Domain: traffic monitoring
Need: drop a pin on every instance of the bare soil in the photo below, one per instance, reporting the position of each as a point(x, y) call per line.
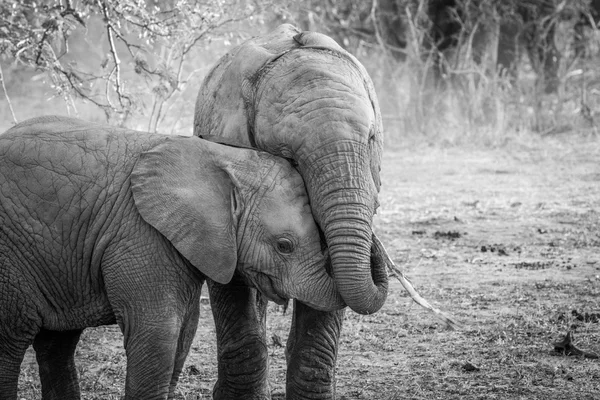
point(506, 240)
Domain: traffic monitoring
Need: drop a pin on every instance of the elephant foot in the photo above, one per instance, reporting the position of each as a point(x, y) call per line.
point(227, 391)
point(310, 379)
point(243, 373)
point(311, 390)
point(311, 353)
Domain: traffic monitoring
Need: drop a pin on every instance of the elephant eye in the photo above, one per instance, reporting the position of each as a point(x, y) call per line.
point(285, 246)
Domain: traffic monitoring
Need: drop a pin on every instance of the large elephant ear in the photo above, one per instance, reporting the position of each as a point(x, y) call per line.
point(226, 99)
point(179, 189)
point(316, 39)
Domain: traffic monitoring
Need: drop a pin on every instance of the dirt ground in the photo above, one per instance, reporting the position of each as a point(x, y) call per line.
point(506, 240)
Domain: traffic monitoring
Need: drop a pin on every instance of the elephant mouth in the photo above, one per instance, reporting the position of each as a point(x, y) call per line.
point(265, 286)
point(275, 298)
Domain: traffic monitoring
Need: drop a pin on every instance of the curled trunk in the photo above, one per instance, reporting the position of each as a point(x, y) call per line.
point(359, 271)
point(343, 204)
point(321, 294)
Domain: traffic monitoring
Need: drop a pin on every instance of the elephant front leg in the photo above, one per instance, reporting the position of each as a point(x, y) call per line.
point(312, 352)
point(240, 317)
point(151, 341)
point(12, 352)
point(55, 353)
point(186, 337)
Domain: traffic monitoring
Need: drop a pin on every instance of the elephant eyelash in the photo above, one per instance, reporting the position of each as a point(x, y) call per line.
point(285, 246)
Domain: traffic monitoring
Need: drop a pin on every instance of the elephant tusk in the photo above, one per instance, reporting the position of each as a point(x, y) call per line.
point(450, 322)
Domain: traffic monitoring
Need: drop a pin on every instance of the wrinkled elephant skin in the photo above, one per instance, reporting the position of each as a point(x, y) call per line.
point(102, 225)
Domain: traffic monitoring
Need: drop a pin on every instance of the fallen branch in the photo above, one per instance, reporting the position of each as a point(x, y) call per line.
point(450, 322)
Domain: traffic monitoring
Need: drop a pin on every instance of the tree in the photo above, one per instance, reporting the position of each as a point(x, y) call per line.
point(114, 53)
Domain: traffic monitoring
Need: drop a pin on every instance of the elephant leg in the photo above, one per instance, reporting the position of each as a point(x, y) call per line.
point(311, 353)
point(11, 356)
point(55, 353)
point(240, 321)
point(186, 337)
point(151, 341)
point(19, 324)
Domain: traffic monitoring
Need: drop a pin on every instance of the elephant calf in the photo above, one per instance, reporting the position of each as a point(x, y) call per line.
point(102, 225)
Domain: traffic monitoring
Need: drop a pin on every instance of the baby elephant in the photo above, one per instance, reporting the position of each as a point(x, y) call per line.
point(102, 225)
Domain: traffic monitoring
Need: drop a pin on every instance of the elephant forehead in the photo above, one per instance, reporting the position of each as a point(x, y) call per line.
point(299, 101)
point(282, 178)
point(299, 73)
point(285, 208)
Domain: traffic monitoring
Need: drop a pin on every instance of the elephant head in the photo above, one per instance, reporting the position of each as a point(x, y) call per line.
point(225, 208)
point(299, 95)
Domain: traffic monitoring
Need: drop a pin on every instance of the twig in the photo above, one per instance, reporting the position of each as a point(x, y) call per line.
point(12, 111)
point(107, 90)
point(173, 103)
point(376, 26)
point(113, 51)
point(41, 44)
point(450, 322)
point(128, 45)
point(69, 76)
point(157, 110)
point(69, 10)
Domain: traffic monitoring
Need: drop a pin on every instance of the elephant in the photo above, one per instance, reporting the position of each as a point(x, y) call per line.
point(102, 225)
point(299, 95)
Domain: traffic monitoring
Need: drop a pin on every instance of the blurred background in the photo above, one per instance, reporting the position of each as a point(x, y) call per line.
point(446, 72)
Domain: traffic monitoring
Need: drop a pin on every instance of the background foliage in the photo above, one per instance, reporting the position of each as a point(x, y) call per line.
point(445, 70)
point(130, 59)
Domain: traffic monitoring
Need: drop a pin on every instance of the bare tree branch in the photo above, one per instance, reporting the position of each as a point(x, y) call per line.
point(115, 56)
point(12, 111)
point(154, 42)
point(75, 86)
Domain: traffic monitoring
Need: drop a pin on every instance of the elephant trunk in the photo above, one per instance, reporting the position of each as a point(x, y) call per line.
point(358, 270)
point(321, 294)
point(343, 199)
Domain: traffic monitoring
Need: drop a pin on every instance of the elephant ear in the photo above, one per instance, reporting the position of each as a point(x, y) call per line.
point(180, 190)
point(318, 40)
point(230, 85)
